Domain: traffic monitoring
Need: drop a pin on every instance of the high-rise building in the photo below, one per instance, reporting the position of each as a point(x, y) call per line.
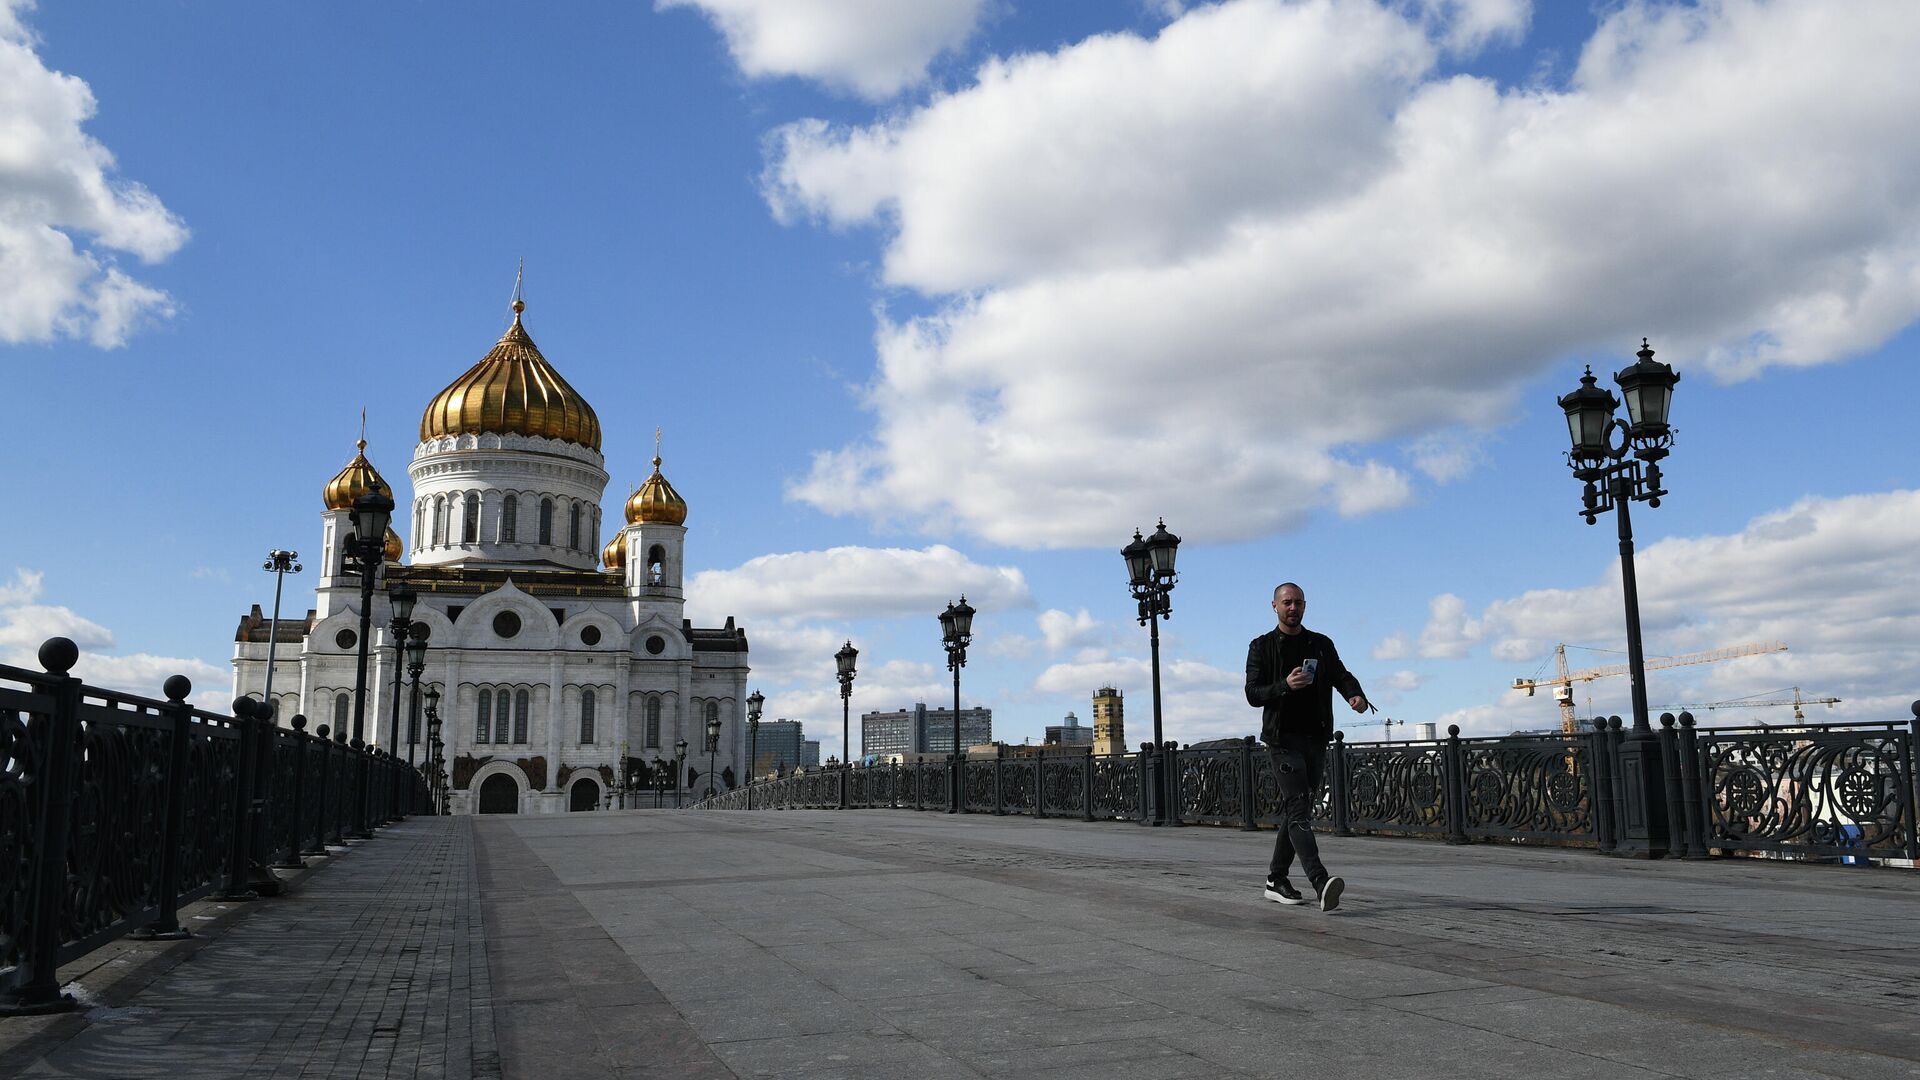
point(810, 753)
point(1068, 732)
point(921, 730)
point(779, 746)
point(1109, 730)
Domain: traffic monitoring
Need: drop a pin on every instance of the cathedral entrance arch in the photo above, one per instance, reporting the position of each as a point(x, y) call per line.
point(499, 795)
point(584, 794)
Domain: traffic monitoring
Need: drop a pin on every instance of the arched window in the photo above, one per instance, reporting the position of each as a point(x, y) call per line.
point(481, 716)
point(470, 519)
point(656, 565)
point(546, 521)
point(340, 707)
point(573, 527)
point(520, 703)
point(419, 519)
point(509, 517)
point(439, 520)
point(653, 721)
point(502, 716)
point(586, 717)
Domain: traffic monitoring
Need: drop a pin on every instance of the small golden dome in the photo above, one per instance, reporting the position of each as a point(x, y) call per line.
point(614, 554)
point(393, 547)
point(357, 479)
point(512, 391)
point(656, 501)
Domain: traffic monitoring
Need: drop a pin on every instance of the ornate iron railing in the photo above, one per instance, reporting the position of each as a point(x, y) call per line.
point(1814, 790)
point(115, 810)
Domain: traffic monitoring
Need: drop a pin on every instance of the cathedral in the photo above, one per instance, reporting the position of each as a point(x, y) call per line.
point(556, 660)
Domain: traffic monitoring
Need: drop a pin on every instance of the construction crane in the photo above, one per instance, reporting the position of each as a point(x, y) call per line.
point(1563, 682)
point(1747, 702)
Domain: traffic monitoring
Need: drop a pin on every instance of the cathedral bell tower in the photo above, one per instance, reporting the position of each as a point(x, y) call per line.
point(651, 549)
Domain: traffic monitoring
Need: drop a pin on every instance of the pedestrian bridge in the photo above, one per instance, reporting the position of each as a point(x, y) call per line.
point(895, 943)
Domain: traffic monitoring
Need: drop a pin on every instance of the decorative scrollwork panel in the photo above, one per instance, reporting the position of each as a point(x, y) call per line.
point(1396, 788)
point(1116, 787)
point(1529, 789)
point(1828, 792)
point(1063, 786)
point(1209, 787)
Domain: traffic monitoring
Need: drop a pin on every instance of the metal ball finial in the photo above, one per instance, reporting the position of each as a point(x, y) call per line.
point(58, 655)
point(177, 688)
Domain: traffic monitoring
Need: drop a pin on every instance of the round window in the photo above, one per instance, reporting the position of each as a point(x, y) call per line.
point(346, 639)
point(420, 630)
point(506, 624)
point(656, 645)
point(590, 635)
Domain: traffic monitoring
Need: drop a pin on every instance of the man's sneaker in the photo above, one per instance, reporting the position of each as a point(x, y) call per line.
point(1283, 892)
point(1330, 893)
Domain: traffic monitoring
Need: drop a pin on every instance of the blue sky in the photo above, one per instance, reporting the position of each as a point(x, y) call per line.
point(951, 294)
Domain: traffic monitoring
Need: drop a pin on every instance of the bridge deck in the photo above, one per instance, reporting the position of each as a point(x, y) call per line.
point(893, 944)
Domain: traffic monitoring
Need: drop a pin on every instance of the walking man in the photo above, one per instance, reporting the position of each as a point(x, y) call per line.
point(1292, 673)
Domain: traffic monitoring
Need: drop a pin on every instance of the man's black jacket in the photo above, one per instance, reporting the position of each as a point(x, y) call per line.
point(1307, 711)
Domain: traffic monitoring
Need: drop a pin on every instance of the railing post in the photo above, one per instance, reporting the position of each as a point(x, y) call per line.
point(166, 926)
point(243, 723)
point(1694, 806)
point(1148, 778)
point(1086, 788)
point(1454, 772)
point(320, 797)
point(1040, 782)
point(297, 803)
point(1171, 790)
point(1600, 786)
point(1670, 766)
point(1248, 796)
point(1337, 786)
point(36, 988)
point(999, 796)
point(1913, 785)
point(1616, 785)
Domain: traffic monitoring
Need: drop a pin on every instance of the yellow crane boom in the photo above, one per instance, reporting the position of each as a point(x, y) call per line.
point(1748, 702)
point(1563, 681)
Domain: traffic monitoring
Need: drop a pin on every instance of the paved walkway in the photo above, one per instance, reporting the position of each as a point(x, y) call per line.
point(895, 944)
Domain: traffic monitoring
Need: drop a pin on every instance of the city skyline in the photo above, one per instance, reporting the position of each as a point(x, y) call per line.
point(1304, 279)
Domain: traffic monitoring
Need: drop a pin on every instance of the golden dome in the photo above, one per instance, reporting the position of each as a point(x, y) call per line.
point(614, 554)
point(393, 546)
point(512, 391)
point(656, 501)
point(357, 479)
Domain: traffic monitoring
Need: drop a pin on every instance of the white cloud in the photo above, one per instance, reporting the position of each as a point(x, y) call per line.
point(1837, 579)
point(1468, 25)
point(1392, 647)
point(1403, 681)
point(1061, 631)
point(1449, 632)
point(855, 582)
point(1199, 701)
point(56, 183)
point(1272, 241)
point(25, 625)
point(874, 48)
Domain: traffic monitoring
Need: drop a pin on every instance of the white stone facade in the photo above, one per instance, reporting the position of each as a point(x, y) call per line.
point(549, 668)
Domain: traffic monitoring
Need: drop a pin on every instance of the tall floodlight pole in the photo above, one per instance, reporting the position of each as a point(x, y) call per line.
point(1618, 474)
point(1150, 578)
point(279, 563)
point(956, 631)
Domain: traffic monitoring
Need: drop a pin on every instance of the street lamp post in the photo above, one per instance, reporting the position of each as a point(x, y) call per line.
point(1618, 473)
point(956, 631)
point(279, 564)
point(843, 660)
point(679, 769)
point(660, 767)
point(755, 701)
point(713, 751)
point(365, 548)
point(1151, 577)
point(401, 599)
point(416, 663)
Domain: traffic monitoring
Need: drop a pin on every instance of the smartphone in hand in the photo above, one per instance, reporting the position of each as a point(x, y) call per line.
point(1311, 666)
